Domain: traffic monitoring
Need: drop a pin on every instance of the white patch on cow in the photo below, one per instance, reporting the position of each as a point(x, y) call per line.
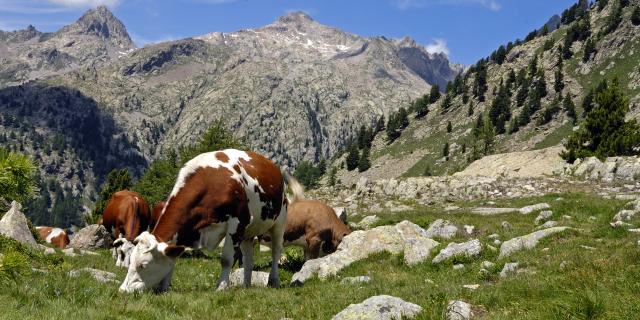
point(54, 233)
point(208, 160)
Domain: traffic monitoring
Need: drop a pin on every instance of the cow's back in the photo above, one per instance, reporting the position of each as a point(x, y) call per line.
point(123, 206)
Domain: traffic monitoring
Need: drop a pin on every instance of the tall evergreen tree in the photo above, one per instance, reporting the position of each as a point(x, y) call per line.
point(589, 50)
point(434, 93)
point(446, 103)
point(558, 84)
point(500, 111)
point(605, 132)
point(353, 157)
point(635, 16)
point(364, 163)
point(569, 108)
point(480, 86)
point(445, 150)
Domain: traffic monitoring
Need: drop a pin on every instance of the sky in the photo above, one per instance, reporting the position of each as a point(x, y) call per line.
point(465, 30)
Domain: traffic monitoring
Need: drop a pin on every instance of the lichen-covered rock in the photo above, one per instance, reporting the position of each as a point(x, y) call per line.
point(354, 280)
point(508, 268)
point(14, 224)
point(528, 241)
point(381, 307)
point(404, 237)
point(543, 216)
point(461, 310)
point(367, 222)
point(100, 275)
point(258, 278)
point(470, 248)
point(91, 237)
point(534, 207)
point(441, 229)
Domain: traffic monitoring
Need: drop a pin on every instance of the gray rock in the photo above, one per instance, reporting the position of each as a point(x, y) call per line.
point(405, 236)
point(100, 275)
point(471, 286)
point(258, 278)
point(354, 280)
point(69, 252)
point(14, 224)
point(49, 251)
point(470, 248)
point(367, 222)
point(533, 208)
point(441, 229)
point(490, 211)
point(493, 236)
point(469, 229)
point(508, 268)
point(487, 264)
point(621, 224)
point(543, 216)
point(458, 266)
point(91, 237)
point(461, 310)
point(548, 224)
point(624, 215)
point(506, 225)
point(380, 308)
point(528, 241)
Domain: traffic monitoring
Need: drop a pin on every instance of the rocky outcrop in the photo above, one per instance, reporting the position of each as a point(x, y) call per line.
point(523, 164)
point(380, 308)
point(15, 225)
point(441, 229)
point(461, 310)
point(91, 237)
point(469, 249)
point(258, 278)
point(404, 237)
point(611, 169)
point(528, 241)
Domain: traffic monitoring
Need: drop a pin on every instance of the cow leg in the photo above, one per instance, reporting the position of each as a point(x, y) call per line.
point(313, 249)
point(246, 247)
point(277, 232)
point(226, 260)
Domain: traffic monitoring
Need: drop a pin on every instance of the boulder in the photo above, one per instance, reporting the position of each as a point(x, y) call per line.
point(470, 248)
point(491, 211)
point(14, 224)
point(461, 310)
point(506, 225)
point(381, 307)
point(528, 241)
point(258, 278)
point(508, 268)
point(367, 222)
point(404, 237)
point(91, 237)
point(354, 280)
point(533, 208)
point(543, 216)
point(548, 224)
point(625, 215)
point(100, 275)
point(441, 229)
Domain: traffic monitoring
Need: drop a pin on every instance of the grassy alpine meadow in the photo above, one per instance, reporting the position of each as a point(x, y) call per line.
point(589, 272)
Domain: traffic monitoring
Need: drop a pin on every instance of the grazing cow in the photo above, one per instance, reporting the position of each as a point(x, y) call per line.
point(54, 236)
point(230, 194)
point(126, 216)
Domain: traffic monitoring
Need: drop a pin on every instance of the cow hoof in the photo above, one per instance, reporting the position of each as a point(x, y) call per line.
point(222, 286)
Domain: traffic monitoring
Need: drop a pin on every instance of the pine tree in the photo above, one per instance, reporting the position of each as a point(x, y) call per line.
point(434, 94)
point(614, 19)
point(533, 66)
point(445, 150)
point(446, 103)
point(480, 82)
point(605, 132)
point(421, 106)
point(364, 164)
point(362, 136)
point(589, 50)
point(470, 110)
point(449, 127)
point(635, 16)
point(380, 124)
point(500, 111)
point(569, 108)
point(541, 85)
point(332, 176)
point(587, 102)
point(558, 84)
point(353, 158)
point(602, 4)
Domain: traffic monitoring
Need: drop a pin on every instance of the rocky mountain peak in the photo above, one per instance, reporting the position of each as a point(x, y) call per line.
point(296, 17)
point(102, 23)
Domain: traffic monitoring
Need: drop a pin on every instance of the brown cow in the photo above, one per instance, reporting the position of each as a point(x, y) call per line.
point(230, 194)
point(54, 236)
point(156, 213)
point(311, 224)
point(126, 216)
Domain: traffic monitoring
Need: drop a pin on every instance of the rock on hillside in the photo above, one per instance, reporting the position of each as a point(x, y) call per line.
point(522, 164)
point(15, 225)
point(381, 308)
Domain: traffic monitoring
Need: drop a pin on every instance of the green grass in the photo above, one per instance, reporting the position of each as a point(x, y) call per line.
point(555, 137)
point(599, 284)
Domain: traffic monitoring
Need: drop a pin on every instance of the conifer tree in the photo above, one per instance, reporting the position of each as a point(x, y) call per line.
point(434, 94)
point(364, 163)
point(353, 158)
point(569, 108)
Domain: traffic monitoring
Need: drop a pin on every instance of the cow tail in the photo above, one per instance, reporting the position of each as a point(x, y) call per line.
point(296, 187)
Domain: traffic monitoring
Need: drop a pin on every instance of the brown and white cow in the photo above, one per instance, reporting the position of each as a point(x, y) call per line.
point(230, 194)
point(156, 213)
point(55, 236)
point(126, 216)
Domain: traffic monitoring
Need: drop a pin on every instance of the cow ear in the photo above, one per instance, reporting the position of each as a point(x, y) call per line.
point(173, 251)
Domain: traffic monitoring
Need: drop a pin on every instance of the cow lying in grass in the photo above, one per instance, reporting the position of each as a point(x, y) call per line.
point(232, 195)
point(55, 236)
point(126, 216)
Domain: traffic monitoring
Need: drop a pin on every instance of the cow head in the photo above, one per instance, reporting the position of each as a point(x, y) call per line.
point(151, 262)
point(122, 249)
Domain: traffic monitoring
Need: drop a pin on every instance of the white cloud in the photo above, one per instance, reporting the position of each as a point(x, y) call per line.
point(492, 5)
point(437, 46)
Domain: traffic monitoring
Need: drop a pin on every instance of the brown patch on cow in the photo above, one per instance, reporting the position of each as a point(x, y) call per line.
point(222, 157)
point(236, 168)
point(319, 225)
point(61, 241)
point(156, 213)
point(127, 213)
point(211, 195)
point(271, 184)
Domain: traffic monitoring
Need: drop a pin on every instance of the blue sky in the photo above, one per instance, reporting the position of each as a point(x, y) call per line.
point(466, 29)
